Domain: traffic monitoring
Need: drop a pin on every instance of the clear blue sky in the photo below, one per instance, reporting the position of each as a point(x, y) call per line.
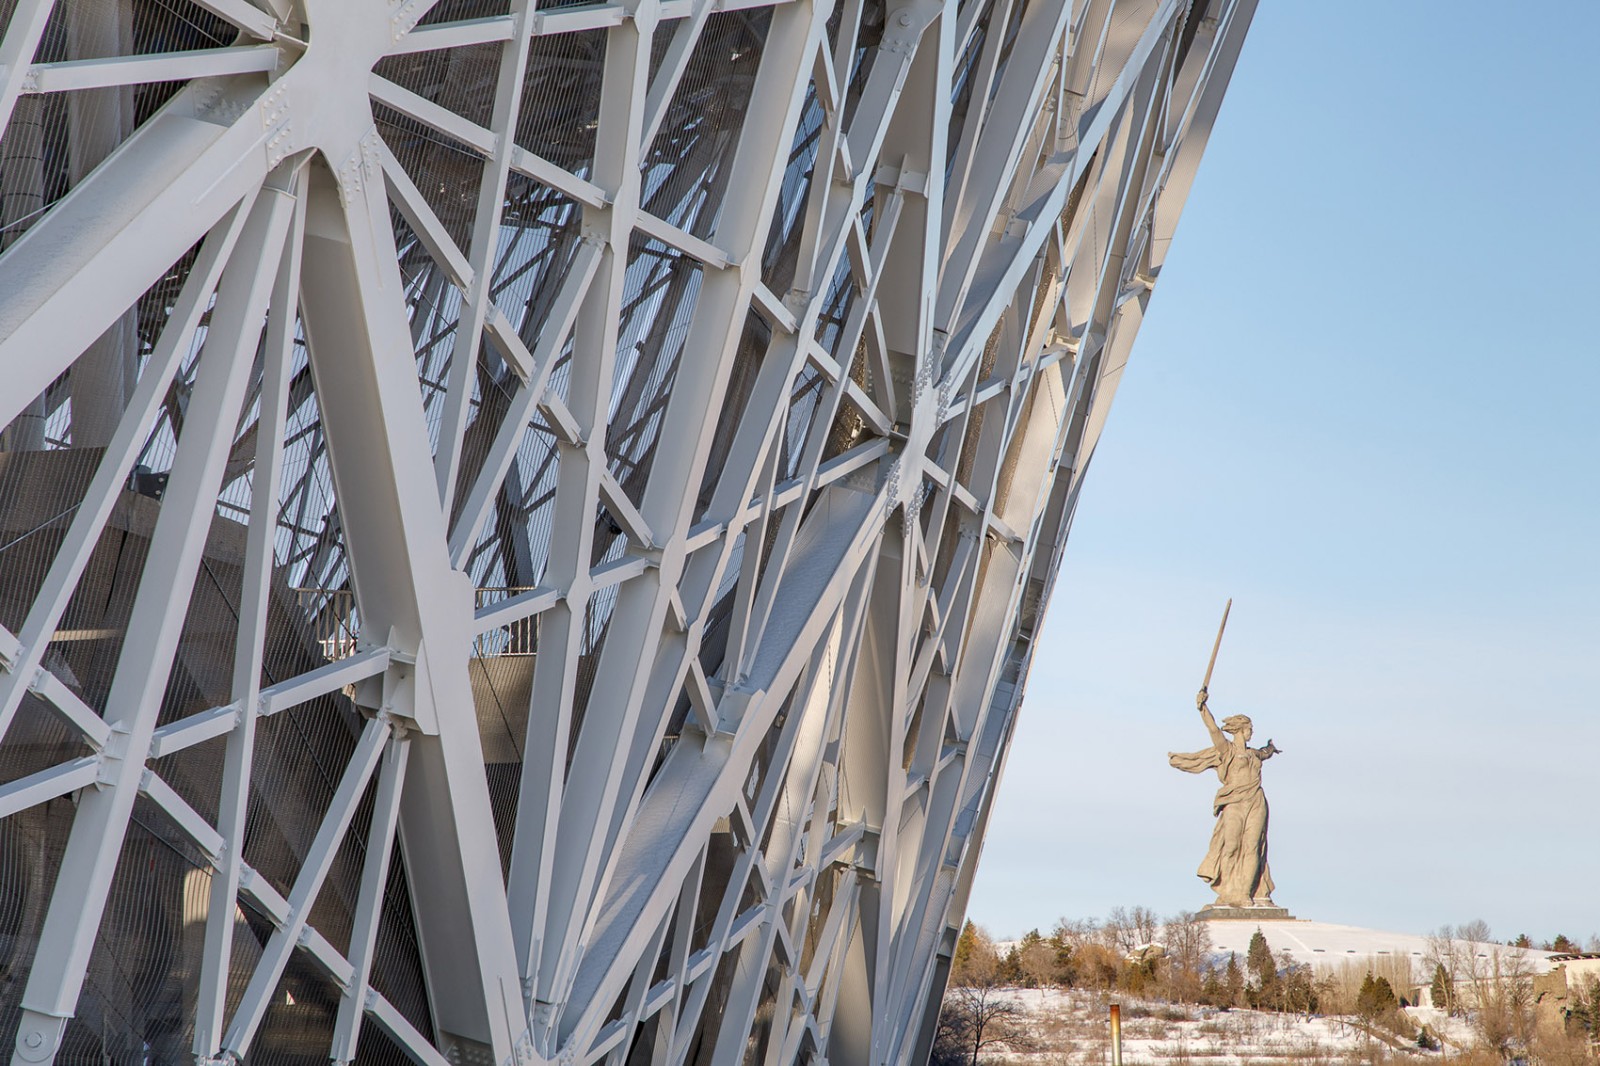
point(1364, 404)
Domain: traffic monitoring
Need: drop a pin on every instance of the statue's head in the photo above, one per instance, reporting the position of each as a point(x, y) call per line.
point(1239, 724)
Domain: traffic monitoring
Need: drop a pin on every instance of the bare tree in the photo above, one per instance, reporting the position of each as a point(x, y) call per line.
point(1118, 931)
point(1188, 944)
point(1445, 954)
point(1075, 932)
point(1145, 925)
point(1129, 929)
point(1504, 1015)
point(974, 1018)
point(1036, 957)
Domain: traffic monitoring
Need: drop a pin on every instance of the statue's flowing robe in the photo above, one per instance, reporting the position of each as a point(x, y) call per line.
point(1235, 865)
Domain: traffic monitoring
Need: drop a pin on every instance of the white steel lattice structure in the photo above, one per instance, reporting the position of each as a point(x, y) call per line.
point(521, 529)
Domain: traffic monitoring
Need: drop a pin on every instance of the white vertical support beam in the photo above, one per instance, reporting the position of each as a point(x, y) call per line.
point(394, 530)
point(534, 856)
point(158, 614)
point(255, 593)
point(485, 242)
point(596, 786)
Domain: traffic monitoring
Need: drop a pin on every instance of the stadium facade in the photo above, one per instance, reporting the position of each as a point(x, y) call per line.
point(522, 528)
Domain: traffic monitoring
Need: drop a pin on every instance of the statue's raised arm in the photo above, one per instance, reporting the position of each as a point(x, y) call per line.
point(1211, 723)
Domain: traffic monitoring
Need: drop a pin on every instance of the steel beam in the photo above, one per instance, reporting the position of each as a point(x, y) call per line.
point(560, 575)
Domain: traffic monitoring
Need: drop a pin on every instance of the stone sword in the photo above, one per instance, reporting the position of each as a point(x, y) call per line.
point(1206, 684)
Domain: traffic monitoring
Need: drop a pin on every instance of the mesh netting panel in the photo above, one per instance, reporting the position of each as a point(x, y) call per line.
point(51, 451)
point(100, 29)
point(961, 84)
point(433, 309)
point(311, 611)
point(539, 231)
point(202, 668)
point(144, 973)
point(864, 55)
point(493, 388)
point(448, 173)
point(782, 253)
point(54, 140)
point(805, 398)
point(596, 626)
point(37, 740)
point(397, 957)
point(456, 10)
point(747, 361)
point(31, 843)
point(461, 80)
point(40, 491)
point(298, 1026)
point(836, 306)
point(687, 168)
point(333, 913)
point(658, 302)
point(560, 107)
point(515, 541)
point(300, 755)
point(377, 1048)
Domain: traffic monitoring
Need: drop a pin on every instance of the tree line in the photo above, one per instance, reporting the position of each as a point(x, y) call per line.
point(1134, 952)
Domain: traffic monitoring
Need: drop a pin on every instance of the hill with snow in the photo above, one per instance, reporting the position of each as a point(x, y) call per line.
point(1325, 943)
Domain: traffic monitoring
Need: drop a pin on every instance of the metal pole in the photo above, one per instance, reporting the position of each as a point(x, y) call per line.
point(1116, 1034)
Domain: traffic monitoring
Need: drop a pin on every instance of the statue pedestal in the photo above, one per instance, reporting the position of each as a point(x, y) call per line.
point(1252, 913)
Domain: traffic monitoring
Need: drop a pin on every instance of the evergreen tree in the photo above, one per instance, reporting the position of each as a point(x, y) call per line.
point(1263, 990)
point(1009, 973)
point(974, 961)
point(1441, 990)
point(1066, 968)
point(1297, 988)
point(1376, 998)
point(1233, 981)
point(1584, 1013)
point(1366, 996)
point(1259, 959)
point(965, 945)
point(1212, 990)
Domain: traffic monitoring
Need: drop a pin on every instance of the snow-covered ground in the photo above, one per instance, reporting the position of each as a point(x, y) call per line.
point(1068, 1027)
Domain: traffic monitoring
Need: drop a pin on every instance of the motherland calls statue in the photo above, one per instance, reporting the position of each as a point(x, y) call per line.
point(1236, 864)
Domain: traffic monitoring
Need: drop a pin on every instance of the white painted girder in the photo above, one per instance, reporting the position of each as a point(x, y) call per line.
point(732, 366)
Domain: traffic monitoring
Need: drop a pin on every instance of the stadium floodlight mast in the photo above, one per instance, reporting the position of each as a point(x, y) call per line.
point(522, 526)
